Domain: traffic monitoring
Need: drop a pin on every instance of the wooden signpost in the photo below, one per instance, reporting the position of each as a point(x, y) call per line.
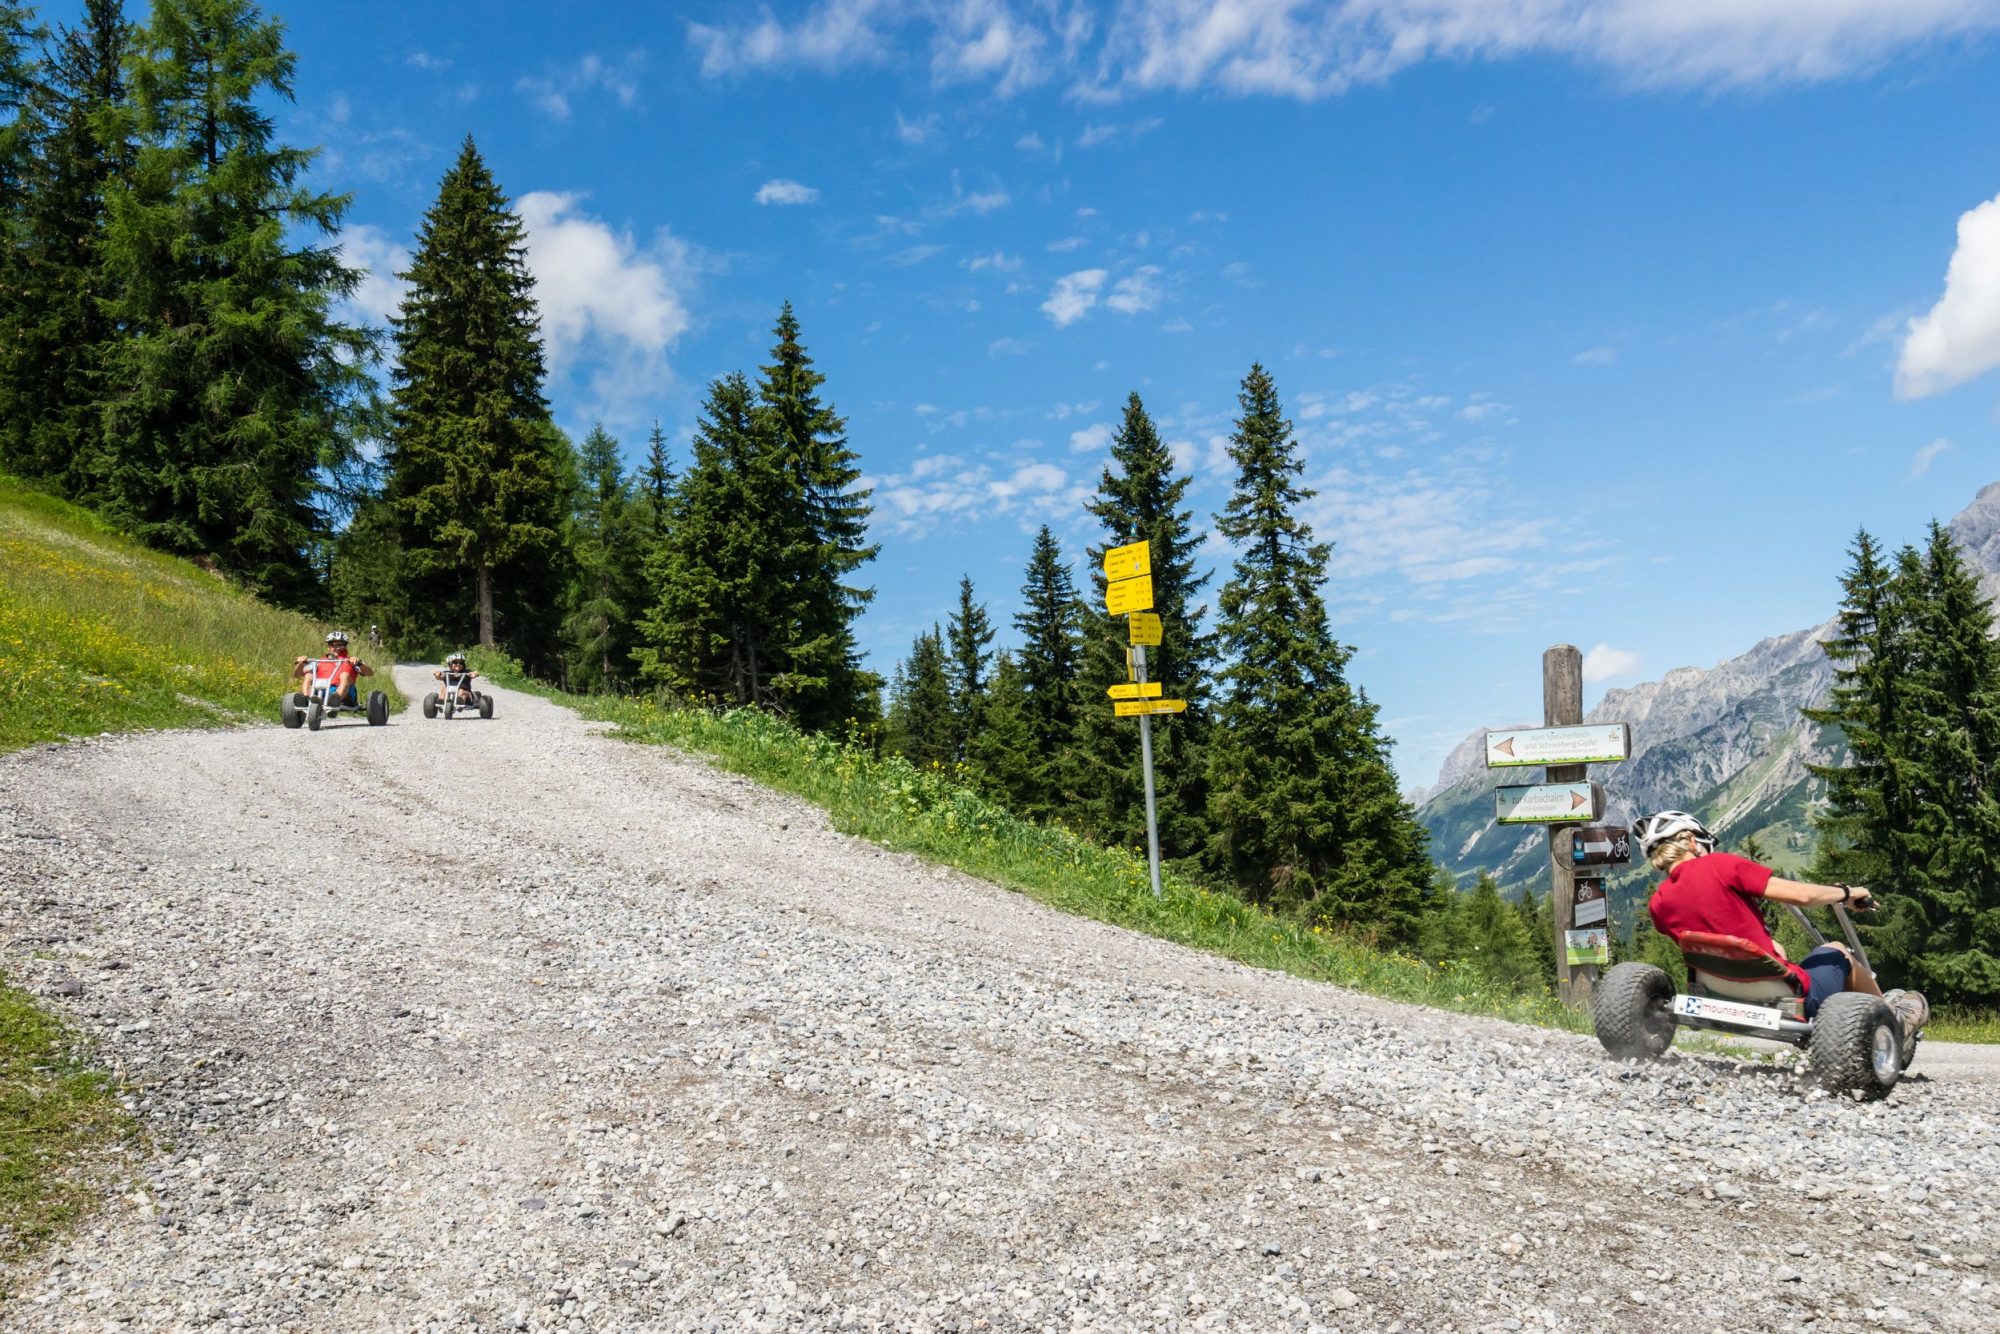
point(1569, 804)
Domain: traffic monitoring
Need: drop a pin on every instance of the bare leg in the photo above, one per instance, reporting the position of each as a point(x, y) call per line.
point(1859, 978)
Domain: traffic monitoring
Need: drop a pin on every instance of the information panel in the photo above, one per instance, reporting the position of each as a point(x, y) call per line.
point(1592, 743)
point(1548, 803)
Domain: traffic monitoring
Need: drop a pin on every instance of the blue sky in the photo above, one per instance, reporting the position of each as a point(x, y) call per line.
point(1605, 323)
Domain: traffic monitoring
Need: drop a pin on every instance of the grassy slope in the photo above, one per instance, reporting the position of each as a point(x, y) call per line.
point(98, 634)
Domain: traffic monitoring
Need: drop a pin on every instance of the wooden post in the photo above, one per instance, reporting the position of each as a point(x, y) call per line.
point(1562, 706)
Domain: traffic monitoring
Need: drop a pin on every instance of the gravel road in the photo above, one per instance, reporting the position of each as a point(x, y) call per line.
point(507, 1025)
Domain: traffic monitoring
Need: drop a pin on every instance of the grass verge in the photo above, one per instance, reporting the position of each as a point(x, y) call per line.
point(99, 634)
point(890, 802)
point(56, 1117)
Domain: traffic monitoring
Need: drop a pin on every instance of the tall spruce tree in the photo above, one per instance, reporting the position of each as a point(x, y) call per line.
point(18, 34)
point(1005, 765)
point(720, 577)
point(608, 547)
point(473, 468)
point(969, 638)
point(919, 720)
point(234, 383)
point(656, 486)
point(826, 524)
point(1303, 805)
point(1945, 921)
point(1050, 660)
point(54, 333)
point(1140, 499)
point(1867, 809)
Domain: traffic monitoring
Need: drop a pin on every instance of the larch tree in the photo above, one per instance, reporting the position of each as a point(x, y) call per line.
point(1141, 499)
point(1303, 805)
point(473, 469)
point(826, 524)
point(232, 384)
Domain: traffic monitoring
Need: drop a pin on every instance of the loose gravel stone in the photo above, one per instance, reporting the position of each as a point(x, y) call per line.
point(377, 994)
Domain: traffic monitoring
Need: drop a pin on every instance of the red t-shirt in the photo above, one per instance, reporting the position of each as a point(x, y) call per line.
point(1712, 893)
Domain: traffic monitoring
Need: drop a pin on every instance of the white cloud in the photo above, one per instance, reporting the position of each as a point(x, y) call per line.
point(981, 202)
point(782, 191)
point(1137, 291)
point(1959, 337)
point(1605, 663)
point(919, 132)
point(834, 35)
point(551, 95)
point(1921, 462)
point(1073, 296)
point(1090, 439)
point(999, 261)
point(1312, 48)
point(1030, 143)
point(1595, 356)
point(606, 301)
point(1067, 244)
point(381, 292)
point(915, 254)
point(941, 489)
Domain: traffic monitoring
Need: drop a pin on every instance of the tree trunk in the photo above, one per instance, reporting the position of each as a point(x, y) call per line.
point(485, 607)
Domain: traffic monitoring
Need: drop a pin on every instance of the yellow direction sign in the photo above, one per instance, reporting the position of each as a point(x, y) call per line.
point(1145, 628)
point(1123, 595)
point(1128, 708)
point(1125, 562)
point(1136, 690)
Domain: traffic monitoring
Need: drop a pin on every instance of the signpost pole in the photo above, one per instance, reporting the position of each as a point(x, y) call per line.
point(1562, 706)
point(1146, 756)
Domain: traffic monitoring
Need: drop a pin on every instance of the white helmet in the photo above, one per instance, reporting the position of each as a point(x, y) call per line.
point(455, 660)
point(1653, 830)
point(336, 637)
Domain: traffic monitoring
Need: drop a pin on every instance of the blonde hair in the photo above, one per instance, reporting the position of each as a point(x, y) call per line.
point(1673, 852)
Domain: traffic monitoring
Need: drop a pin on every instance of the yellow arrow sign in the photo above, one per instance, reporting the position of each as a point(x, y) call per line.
point(1136, 690)
point(1125, 562)
point(1129, 708)
point(1125, 595)
point(1145, 628)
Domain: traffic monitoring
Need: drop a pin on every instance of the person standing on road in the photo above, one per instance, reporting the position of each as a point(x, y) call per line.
point(1716, 892)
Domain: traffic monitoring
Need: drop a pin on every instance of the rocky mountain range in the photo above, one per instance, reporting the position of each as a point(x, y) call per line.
point(1727, 742)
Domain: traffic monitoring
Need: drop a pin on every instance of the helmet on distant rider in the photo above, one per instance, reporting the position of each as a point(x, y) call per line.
point(336, 637)
point(456, 661)
point(1654, 830)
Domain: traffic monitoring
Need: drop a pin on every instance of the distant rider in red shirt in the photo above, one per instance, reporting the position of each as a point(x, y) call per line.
point(1717, 892)
point(344, 670)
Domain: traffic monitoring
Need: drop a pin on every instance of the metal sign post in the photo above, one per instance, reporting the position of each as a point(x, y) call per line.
point(1146, 757)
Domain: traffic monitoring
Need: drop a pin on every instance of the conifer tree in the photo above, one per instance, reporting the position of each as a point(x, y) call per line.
point(1139, 499)
point(1005, 765)
point(1050, 659)
point(970, 639)
point(826, 523)
point(54, 335)
point(233, 382)
point(608, 547)
point(720, 579)
point(1866, 803)
point(473, 471)
point(18, 34)
point(920, 722)
point(1304, 809)
point(656, 486)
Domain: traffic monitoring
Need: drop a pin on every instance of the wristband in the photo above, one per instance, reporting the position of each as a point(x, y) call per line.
point(1846, 893)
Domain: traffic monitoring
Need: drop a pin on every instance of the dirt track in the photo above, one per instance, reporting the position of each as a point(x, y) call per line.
point(491, 1025)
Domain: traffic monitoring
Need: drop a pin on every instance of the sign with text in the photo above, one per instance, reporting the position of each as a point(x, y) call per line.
point(1136, 690)
point(1601, 845)
point(1132, 708)
point(1123, 595)
point(1128, 562)
point(1145, 628)
point(1590, 907)
point(1593, 743)
point(1548, 803)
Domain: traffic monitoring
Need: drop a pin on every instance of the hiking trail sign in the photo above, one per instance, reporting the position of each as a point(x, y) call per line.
point(1127, 595)
point(1128, 562)
point(1594, 743)
point(1144, 628)
point(1548, 803)
point(1136, 690)
point(1127, 708)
